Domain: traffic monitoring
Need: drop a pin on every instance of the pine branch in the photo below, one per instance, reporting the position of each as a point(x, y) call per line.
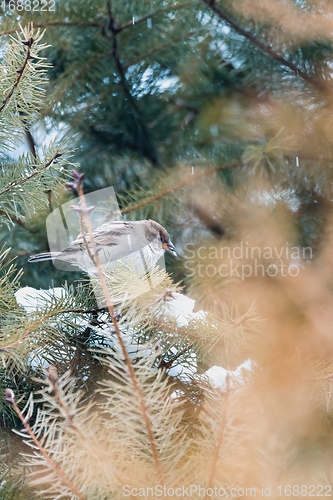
point(307, 157)
point(78, 117)
point(152, 14)
point(18, 222)
point(30, 330)
point(48, 24)
point(20, 71)
point(25, 421)
point(53, 381)
point(159, 48)
point(85, 24)
point(219, 442)
point(84, 311)
point(26, 179)
point(149, 149)
point(46, 111)
point(261, 46)
point(29, 136)
point(197, 176)
point(165, 365)
point(179, 185)
point(41, 320)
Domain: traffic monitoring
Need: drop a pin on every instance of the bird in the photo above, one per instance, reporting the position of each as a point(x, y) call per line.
point(116, 240)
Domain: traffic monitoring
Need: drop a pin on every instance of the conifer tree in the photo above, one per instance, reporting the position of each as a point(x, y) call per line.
point(214, 119)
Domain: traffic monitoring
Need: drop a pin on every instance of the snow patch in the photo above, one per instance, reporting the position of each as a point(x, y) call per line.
point(31, 299)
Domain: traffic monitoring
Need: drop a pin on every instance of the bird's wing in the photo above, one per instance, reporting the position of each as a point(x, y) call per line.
point(106, 234)
point(116, 239)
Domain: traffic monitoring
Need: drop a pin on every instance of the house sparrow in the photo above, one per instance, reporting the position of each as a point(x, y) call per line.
point(116, 240)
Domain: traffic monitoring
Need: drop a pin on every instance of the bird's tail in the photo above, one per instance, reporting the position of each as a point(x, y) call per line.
point(43, 256)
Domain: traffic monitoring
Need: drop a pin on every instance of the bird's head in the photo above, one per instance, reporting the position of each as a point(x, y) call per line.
point(164, 236)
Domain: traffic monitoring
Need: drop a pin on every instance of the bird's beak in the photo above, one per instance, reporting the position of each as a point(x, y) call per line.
point(170, 247)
